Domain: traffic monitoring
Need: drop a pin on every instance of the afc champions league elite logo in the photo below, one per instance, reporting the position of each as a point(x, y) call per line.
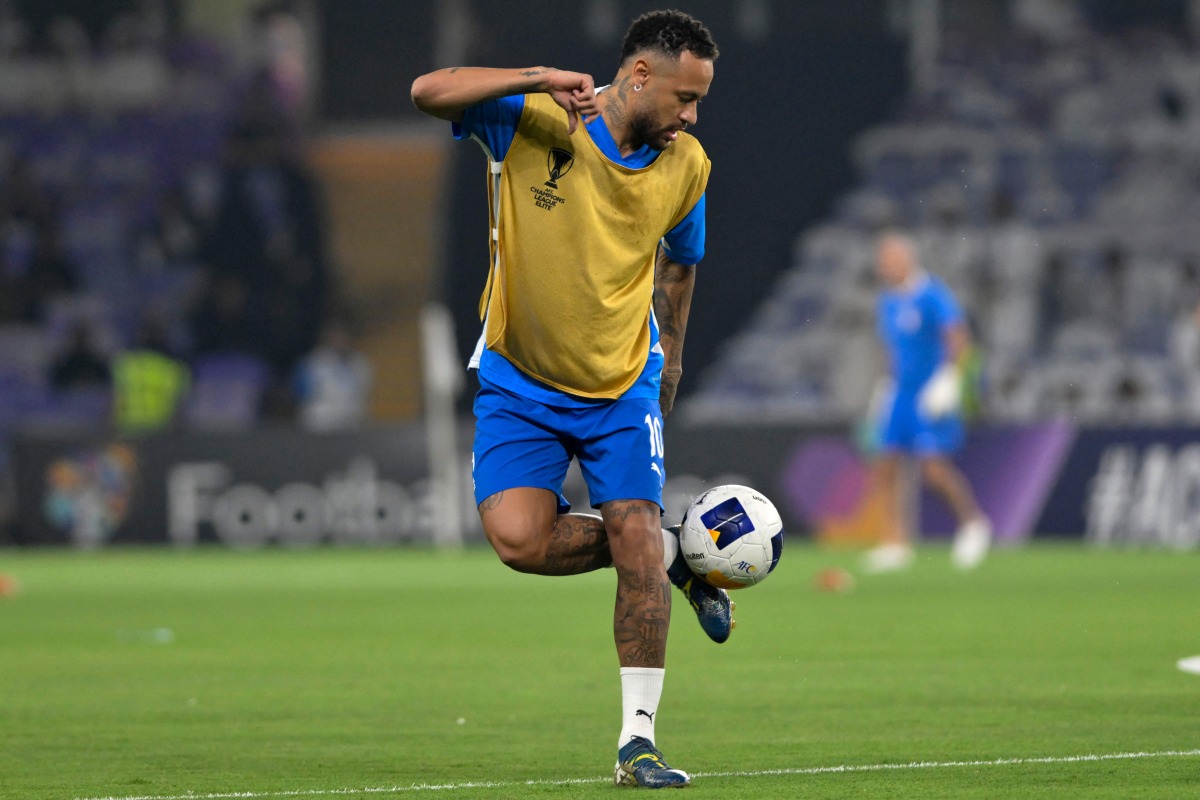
point(559, 163)
point(88, 493)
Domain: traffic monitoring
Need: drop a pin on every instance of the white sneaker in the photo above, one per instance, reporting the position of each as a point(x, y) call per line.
point(887, 558)
point(971, 543)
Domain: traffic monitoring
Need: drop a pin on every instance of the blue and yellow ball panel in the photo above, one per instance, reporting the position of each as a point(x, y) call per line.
point(727, 522)
point(719, 580)
point(776, 551)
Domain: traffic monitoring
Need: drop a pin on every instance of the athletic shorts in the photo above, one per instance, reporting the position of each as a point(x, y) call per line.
point(521, 442)
point(905, 429)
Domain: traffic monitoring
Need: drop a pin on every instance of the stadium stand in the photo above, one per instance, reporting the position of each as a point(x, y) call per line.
point(144, 171)
point(1051, 181)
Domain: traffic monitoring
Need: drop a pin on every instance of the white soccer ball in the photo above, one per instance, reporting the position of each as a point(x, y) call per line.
point(732, 536)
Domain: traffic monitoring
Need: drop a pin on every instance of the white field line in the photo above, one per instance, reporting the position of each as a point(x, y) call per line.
point(435, 787)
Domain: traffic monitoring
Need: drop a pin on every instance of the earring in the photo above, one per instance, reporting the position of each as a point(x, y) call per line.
point(637, 87)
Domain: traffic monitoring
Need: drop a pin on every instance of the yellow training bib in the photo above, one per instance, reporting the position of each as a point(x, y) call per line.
point(570, 291)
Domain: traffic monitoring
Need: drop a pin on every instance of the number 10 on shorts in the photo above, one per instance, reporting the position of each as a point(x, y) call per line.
point(656, 437)
point(654, 426)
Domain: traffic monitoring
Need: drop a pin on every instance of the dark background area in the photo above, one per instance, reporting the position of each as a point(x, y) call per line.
point(370, 53)
point(94, 15)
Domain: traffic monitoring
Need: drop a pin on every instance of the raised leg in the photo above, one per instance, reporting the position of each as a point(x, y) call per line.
point(527, 532)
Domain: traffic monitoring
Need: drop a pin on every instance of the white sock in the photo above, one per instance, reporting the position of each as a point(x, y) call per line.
point(670, 548)
point(641, 687)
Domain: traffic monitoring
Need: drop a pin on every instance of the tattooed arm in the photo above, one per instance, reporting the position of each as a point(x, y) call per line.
point(673, 284)
point(446, 93)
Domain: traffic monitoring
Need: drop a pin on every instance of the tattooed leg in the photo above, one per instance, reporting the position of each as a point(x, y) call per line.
point(578, 543)
point(643, 608)
point(527, 532)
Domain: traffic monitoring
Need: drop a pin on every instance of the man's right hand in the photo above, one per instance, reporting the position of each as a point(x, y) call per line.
point(575, 92)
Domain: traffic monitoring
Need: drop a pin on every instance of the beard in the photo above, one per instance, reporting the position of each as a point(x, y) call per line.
point(647, 130)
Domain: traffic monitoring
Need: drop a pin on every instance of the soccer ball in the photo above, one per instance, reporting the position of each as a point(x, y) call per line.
point(732, 536)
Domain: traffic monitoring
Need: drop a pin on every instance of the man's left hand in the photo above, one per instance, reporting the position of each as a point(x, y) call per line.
point(667, 389)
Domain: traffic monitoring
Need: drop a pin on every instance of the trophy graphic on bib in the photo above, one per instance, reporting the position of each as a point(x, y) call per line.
point(559, 163)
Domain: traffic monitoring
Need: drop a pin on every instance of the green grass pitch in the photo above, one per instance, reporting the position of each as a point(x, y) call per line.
point(325, 673)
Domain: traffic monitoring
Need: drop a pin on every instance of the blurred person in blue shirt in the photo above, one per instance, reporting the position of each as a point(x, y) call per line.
point(918, 408)
point(333, 384)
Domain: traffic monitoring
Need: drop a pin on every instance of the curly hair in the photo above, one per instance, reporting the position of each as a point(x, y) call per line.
point(670, 33)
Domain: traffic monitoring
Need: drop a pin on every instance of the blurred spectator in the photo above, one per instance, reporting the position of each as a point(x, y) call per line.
point(131, 71)
point(1112, 296)
point(224, 321)
point(14, 34)
point(1185, 342)
point(1009, 308)
point(81, 365)
point(333, 383)
point(23, 198)
point(1185, 351)
point(284, 54)
point(33, 270)
point(1056, 292)
point(173, 237)
point(149, 383)
point(13, 301)
point(237, 240)
point(1055, 21)
point(288, 329)
point(50, 272)
point(17, 245)
point(262, 132)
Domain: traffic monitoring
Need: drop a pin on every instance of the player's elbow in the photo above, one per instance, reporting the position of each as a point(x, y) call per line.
point(422, 93)
point(430, 94)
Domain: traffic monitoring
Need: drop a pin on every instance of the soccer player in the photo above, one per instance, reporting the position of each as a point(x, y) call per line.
point(927, 341)
point(597, 224)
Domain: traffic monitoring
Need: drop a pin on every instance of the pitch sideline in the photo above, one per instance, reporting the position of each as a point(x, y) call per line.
point(843, 768)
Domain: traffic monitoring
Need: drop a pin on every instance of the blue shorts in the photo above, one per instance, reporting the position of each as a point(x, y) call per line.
point(905, 429)
point(521, 442)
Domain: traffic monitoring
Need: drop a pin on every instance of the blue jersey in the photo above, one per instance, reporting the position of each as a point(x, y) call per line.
point(912, 321)
point(494, 123)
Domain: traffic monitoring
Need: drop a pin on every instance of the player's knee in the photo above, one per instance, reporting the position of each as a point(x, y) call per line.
point(635, 540)
point(636, 532)
point(520, 557)
point(517, 543)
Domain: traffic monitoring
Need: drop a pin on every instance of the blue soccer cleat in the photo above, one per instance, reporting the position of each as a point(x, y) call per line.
point(713, 607)
point(640, 764)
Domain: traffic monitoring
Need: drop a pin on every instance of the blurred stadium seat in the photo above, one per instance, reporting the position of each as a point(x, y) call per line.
point(1053, 187)
point(227, 391)
point(158, 160)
